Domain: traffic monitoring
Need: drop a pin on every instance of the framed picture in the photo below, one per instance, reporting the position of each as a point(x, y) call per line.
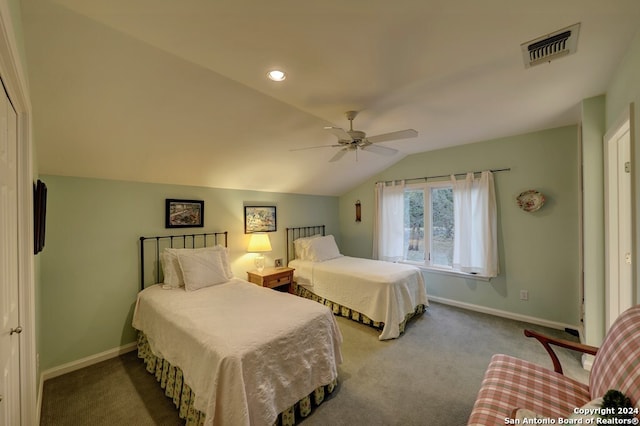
point(184, 213)
point(39, 215)
point(259, 219)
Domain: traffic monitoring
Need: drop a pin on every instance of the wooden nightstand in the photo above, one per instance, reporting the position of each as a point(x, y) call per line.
point(272, 278)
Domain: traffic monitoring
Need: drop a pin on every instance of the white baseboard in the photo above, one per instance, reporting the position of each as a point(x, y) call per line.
point(505, 314)
point(85, 362)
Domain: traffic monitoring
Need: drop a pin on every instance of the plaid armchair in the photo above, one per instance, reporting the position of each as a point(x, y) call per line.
point(511, 383)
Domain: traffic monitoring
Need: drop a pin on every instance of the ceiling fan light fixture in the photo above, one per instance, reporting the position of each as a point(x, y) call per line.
point(276, 75)
point(356, 140)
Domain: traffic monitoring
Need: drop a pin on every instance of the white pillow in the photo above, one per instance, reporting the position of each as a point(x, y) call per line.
point(301, 245)
point(171, 267)
point(171, 270)
point(323, 248)
point(224, 257)
point(202, 268)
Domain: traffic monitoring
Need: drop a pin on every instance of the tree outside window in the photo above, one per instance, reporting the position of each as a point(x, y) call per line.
point(442, 226)
point(435, 246)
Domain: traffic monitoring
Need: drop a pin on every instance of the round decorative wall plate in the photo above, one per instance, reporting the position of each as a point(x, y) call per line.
point(530, 201)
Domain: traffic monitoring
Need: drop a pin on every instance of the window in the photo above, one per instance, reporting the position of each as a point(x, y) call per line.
point(442, 226)
point(413, 241)
point(445, 225)
point(429, 224)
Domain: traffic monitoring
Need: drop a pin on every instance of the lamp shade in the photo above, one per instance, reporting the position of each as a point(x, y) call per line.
point(259, 243)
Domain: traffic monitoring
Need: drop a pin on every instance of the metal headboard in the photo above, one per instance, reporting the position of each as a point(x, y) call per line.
point(159, 243)
point(300, 232)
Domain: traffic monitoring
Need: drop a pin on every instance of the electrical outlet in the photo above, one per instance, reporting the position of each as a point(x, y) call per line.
point(278, 263)
point(524, 294)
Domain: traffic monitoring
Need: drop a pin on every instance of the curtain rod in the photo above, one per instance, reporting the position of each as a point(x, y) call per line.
point(443, 176)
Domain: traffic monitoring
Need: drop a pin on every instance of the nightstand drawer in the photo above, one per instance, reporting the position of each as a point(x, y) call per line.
point(278, 280)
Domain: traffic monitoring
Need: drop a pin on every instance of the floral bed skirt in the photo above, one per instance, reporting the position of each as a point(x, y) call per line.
point(352, 314)
point(171, 380)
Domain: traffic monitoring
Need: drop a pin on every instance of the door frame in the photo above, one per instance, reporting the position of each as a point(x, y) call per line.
point(15, 80)
point(612, 254)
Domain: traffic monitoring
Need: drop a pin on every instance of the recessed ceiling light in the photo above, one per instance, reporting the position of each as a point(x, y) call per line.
point(276, 75)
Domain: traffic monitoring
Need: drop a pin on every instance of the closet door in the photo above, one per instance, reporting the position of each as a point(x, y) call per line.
point(10, 330)
point(618, 221)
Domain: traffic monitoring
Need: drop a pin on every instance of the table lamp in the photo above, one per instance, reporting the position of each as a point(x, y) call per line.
point(259, 243)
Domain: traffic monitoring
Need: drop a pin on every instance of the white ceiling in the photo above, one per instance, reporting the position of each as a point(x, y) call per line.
point(174, 91)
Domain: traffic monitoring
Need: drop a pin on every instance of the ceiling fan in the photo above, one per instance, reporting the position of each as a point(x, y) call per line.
point(353, 140)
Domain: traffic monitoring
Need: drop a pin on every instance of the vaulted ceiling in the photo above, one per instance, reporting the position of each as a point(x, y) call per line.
point(173, 91)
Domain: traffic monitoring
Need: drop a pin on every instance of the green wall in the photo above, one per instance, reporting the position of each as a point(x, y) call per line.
point(89, 267)
point(539, 251)
point(593, 129)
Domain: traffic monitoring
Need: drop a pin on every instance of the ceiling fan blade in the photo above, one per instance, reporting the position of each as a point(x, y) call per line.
point(314, 147)
point(401, 134)
point(379, 149)
point(339, 132)
point(339, 155)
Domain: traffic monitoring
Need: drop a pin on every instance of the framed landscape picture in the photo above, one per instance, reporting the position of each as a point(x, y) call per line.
point(259, 219)
point(184, 213)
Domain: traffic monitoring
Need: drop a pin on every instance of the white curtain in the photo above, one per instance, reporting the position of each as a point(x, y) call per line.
point(475, 248)
point(388, 235)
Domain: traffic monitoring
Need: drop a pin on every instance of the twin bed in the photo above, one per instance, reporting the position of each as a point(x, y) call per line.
point(381, 294)
point(229, 352)
point(226, 351)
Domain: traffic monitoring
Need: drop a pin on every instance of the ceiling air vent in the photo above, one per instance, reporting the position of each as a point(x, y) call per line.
point(552, 46)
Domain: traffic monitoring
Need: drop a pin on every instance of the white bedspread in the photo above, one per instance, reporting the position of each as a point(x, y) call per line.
point(247, 352)
point(383, 291)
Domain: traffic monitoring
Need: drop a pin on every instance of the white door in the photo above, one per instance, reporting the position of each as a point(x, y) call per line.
point(618, 222)
point(9, 326)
